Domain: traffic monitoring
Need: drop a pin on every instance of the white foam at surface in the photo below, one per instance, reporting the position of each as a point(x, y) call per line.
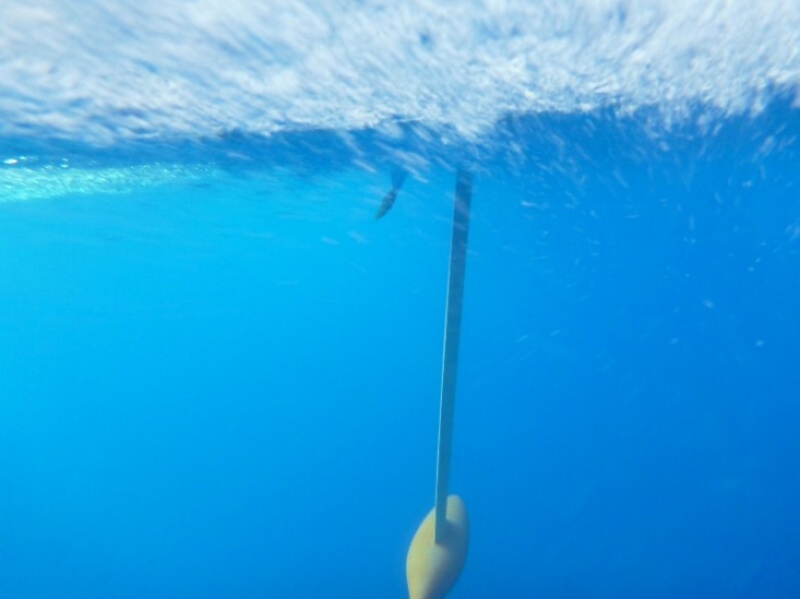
point(100, 71)
point(21, 183)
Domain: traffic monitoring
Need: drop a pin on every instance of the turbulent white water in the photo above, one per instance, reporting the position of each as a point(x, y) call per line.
point(22, 182)
point(99, 70)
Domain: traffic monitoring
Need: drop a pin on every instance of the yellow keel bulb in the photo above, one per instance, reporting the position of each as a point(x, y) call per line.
point(433, 568)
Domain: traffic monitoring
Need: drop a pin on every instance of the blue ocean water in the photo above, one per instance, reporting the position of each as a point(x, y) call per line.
point(219, 374)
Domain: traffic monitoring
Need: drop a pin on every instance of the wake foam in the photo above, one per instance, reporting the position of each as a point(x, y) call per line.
point(143, 69)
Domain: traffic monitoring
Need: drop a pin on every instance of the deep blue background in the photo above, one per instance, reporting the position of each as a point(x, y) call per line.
point(229, 389)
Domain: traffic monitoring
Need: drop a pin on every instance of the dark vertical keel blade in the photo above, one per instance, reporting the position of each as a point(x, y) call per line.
point(438, 550)
point(452, 330)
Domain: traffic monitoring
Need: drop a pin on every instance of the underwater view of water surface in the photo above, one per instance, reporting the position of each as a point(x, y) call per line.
point(225, 233)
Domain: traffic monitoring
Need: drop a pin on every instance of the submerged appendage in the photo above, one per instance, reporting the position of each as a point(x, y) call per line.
point(433, 568)
point(398, 178)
